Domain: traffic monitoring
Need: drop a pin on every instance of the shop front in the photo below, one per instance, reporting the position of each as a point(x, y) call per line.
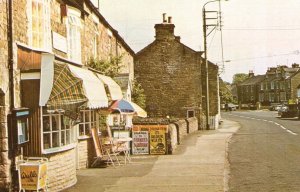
point(65, 101)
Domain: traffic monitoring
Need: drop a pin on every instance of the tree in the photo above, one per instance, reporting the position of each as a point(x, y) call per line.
point(225, 93)
point(239, 77)
point(138, 95)
point(109, 67)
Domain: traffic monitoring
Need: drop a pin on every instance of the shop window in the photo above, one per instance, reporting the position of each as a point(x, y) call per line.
point(39, 30)
point(74, 40)
point(88, 121)
point(57, 130)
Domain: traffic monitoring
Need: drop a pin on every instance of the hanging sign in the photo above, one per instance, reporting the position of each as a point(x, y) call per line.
point(140, 142)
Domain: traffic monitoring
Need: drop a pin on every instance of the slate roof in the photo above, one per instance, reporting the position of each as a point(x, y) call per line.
point(253, 80)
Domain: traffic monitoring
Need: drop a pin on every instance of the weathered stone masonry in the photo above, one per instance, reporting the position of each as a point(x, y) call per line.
point(170, 74)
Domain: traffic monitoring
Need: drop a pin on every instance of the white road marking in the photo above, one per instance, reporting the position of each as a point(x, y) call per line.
point(287, 130)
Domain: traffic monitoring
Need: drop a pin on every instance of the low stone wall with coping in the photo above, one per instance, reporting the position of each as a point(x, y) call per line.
point(177, 129)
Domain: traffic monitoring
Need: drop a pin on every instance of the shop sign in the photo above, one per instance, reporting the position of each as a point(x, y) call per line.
point(59, 42)
point(33, 176)
point(157, 141)
point(140, 144)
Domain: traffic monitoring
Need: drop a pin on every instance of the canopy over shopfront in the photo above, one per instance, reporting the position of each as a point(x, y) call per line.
point(114, 89)
point(65, 86)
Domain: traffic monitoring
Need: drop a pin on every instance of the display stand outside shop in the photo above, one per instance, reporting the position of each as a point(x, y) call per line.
point(154, 144)
point(33, 174)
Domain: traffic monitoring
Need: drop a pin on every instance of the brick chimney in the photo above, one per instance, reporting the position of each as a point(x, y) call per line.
point(165, 30)
point(251, 74)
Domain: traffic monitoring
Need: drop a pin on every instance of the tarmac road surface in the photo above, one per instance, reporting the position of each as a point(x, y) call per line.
point(264, 154)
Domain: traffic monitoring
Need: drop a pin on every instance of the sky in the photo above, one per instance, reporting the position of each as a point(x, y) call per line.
point(257, 34)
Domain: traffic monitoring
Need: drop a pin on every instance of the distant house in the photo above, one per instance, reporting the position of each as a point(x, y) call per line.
point(248, 90)
point(277, 86)
point(280, 84)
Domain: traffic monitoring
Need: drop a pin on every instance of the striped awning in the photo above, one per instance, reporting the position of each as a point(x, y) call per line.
point(93, 87)
point(66, 86)
point(67, 89)
point(114, 89)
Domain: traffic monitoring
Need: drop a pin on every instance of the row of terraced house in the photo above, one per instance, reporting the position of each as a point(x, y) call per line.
point(50, 97)
point(279, 84)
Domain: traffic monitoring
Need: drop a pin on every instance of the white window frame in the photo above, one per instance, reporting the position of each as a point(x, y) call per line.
point(87, 122)
point(262, 86)
point(61, 146)
point(95, 42)
point(74, 35)
point(272, 84)
point(46, 33)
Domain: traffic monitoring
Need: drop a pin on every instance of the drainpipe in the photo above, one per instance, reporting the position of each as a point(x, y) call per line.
point(10, 56)
point(13, 173)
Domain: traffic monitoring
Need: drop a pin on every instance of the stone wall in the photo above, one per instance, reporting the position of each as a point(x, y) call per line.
point(213, 88)
point(58, 24)
point(173, 138)
point(170, 74)
point(177, 128)
point(4, 99)
point(110, 44)
point(86, 153)
point(4, 161)
point(61, 170)
point(192, 124)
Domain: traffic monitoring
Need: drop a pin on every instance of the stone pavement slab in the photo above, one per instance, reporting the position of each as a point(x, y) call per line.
point(199, 164)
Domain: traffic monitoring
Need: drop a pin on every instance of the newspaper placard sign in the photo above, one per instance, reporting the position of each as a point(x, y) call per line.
point(157, 141)
point(140, 142)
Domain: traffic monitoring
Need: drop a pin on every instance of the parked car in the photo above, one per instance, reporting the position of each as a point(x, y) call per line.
point(232, 107)
point(275, 107)
point(290, 110)
point(252, 106)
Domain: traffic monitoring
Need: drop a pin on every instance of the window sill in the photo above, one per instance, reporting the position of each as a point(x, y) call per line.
point(84, 137)
point(59, 149)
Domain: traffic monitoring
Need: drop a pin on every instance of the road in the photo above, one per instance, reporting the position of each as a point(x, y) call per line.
point(264, 154)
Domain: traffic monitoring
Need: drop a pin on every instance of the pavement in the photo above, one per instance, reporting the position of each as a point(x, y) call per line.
point(199, 164)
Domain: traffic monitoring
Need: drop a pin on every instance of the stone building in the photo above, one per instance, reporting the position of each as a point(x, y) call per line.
point(248, 90)
point(170, 74)
point(214, 99)
point(279, 85)
point(39, 40)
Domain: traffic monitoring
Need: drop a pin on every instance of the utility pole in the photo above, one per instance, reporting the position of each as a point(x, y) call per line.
point(205, 35)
